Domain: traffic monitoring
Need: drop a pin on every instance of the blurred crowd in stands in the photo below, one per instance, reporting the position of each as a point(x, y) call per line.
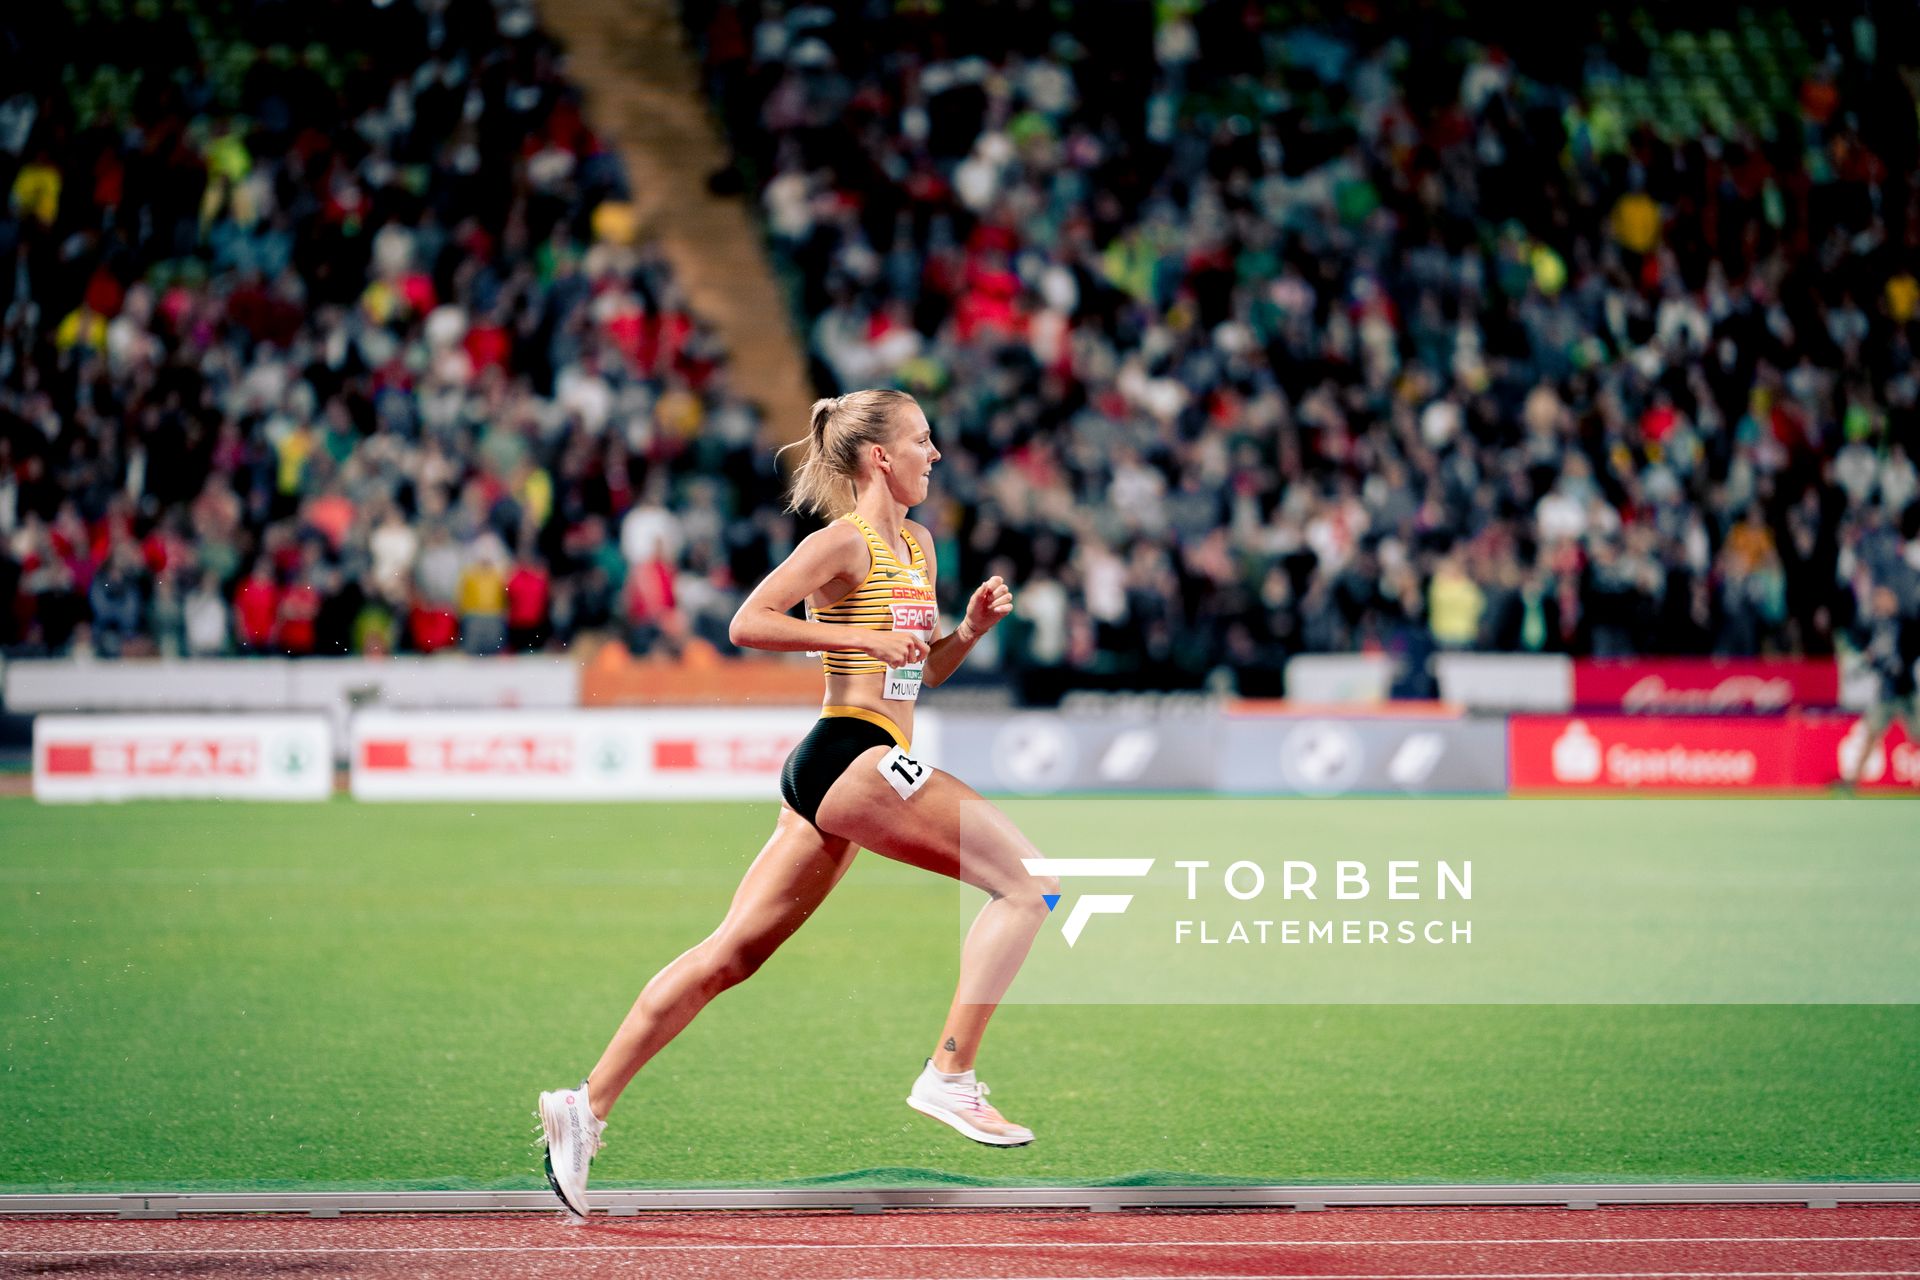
point(1247, 329)
point(325, 328)
point(1251, 329)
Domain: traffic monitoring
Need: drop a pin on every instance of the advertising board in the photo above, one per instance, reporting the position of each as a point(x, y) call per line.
point(1704, 753)
point(1324, 756)
point(1705, 686)
point(228, 757)
point(690, 754)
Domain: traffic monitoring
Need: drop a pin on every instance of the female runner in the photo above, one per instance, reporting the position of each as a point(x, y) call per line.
point(868, 580)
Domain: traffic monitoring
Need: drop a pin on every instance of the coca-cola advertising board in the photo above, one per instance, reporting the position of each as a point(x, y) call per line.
point(1686, 753)
point(1705, 686)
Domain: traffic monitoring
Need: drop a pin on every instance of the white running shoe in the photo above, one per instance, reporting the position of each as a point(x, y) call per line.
point(962, 1104)
point(572, 1134)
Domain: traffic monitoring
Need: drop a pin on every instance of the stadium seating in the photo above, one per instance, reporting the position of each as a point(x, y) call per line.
point(1247, 334)
point(327, 330)
point(1365, 330)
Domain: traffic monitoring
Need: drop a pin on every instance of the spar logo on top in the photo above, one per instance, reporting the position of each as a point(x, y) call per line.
point(691, 753)
point(235, 757)
point(1633, 753)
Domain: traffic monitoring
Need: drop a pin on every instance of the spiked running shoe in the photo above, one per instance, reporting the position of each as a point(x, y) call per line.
point(962, 1105)
point(571, 1134)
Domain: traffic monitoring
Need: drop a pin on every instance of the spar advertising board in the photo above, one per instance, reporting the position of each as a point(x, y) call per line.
point(231, 757)
point(685, 754)
point(1701, 753)
point(1705, 686)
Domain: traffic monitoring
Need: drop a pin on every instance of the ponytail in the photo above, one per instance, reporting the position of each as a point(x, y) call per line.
point(840, 427)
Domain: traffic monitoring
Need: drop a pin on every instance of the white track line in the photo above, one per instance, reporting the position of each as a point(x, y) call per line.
point(746, 1246)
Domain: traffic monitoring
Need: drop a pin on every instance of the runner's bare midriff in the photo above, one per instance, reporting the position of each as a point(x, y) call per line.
point(863, 691)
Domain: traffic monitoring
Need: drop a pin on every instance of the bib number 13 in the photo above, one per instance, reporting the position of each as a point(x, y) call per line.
point(905, 774)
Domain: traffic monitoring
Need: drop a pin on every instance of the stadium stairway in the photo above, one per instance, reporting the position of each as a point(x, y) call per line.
point(643, 92)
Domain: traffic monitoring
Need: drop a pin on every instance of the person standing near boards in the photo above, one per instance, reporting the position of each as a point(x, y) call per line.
point(1889, 640)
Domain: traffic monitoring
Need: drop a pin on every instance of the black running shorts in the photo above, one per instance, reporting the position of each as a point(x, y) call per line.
point(822, 756)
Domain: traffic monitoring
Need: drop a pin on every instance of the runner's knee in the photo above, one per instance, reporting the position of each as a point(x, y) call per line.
point(1029, 892)
point(731, 961)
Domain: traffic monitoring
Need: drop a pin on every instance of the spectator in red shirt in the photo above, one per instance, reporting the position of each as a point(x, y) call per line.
point(488, 344)
point(299, 607)
point(256, 608)
point(432, 627)
point(650, 603)
point(529, 594)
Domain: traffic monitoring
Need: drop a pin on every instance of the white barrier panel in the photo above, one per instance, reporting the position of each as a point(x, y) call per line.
point(213, 684)
point(1339, 677)
point(86, 758)
point(336, 686)
point(691, 754)
point(444, 683)
point(1506, 681)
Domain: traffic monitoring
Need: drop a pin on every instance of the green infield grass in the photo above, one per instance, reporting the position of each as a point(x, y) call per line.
point(355, 996)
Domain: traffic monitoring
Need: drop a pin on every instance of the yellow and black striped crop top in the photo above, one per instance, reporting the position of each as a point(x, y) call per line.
point(894, 597)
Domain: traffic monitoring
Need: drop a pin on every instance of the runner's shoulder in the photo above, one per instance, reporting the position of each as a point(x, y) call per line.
point(839, 545)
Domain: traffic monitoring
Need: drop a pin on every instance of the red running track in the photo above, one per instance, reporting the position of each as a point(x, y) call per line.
point(1440, 1244)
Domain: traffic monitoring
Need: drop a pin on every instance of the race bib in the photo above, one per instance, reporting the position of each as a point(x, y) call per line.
point(903, 772)
point(915, 613)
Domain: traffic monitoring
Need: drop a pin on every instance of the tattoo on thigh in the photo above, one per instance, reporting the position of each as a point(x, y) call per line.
point(950, 1046)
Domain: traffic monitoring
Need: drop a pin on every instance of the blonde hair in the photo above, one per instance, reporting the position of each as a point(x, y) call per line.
point(842, 427)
